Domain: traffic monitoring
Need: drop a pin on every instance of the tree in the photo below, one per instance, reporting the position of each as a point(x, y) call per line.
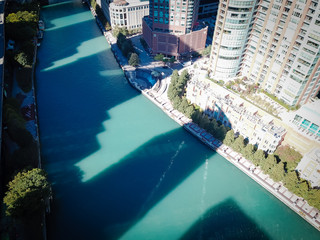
point(189, 111)
point(238, 144)
point(183, 105)
point(221, 132)
point(176, 102)
point(204, 122)
point(172, 92)
point(268, 163)
point(23, 59)
point(229, 139)
point(174, 77)
point(288, 156)
point(134, 60)
point(22, 16)
point(290, 180)
point(159, 57)
point(126, 48)
point(183, 78)
point(277, 172)
point(206, 51)
point(313, 196)
point(258, 156)
point(27, 193)
point(119, 30)
point(248, 151)
point(213, 127)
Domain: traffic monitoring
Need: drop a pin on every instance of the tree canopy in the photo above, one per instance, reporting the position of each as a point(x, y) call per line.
point(125, 45)
point(119, 30)
point(206, 51)
point(22, 16)
point(27, 193)
point(289, 156)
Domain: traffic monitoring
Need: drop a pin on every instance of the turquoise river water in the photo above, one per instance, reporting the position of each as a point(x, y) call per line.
point(121, 168)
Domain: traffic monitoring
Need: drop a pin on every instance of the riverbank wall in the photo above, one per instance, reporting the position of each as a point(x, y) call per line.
point(295, 203)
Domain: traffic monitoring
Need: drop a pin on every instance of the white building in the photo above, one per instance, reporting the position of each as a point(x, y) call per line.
point(309, 167)
point(230, 37)
point(282, 49)
point(306, 120)
point(255, 125)
point(128, 13)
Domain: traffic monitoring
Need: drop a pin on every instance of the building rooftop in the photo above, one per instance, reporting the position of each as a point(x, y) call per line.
point(309, 167)
point(311, 111)
point(246, 109)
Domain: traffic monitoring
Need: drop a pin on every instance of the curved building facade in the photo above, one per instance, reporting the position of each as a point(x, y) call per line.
point(172, 27)
point(128, 13)
point(230, 36)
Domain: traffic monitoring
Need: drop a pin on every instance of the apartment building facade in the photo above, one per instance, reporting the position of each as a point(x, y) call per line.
point(281, 51)
point(230, 37)
point(125, 13)
point(128, 13)
point(255, 125)
point(172, 27)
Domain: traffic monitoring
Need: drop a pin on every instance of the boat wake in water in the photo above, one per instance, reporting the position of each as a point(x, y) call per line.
point(162, 177)
point(202, 203)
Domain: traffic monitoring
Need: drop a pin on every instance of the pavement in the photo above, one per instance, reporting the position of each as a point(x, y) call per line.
point(2, 49)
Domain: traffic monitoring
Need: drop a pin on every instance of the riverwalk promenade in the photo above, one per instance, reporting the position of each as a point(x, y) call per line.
point(297, 204)
point(158, 95)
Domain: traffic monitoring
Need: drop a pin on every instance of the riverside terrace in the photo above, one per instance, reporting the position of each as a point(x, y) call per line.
point(297, 204)
point(252, 123)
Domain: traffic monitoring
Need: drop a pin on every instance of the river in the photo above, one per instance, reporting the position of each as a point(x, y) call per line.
point(120, 167)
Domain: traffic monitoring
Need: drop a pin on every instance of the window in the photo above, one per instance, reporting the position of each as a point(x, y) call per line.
point(297, 118)
point(306, 122)
point(313, 128)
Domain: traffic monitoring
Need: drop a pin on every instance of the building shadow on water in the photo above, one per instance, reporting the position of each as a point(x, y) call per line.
point(74, 102)
point(112, 202)
point(225, 221)
point(62, 9)
point(73, 96)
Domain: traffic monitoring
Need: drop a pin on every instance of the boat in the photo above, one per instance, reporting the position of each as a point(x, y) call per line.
point(41, 25)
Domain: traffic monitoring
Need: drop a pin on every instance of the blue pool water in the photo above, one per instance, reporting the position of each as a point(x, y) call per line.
point(146, 76)
point(120, 168)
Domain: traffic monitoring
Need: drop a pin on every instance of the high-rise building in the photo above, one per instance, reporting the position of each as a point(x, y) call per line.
point(172, 27)
point(274, 43)
point(230, 37)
